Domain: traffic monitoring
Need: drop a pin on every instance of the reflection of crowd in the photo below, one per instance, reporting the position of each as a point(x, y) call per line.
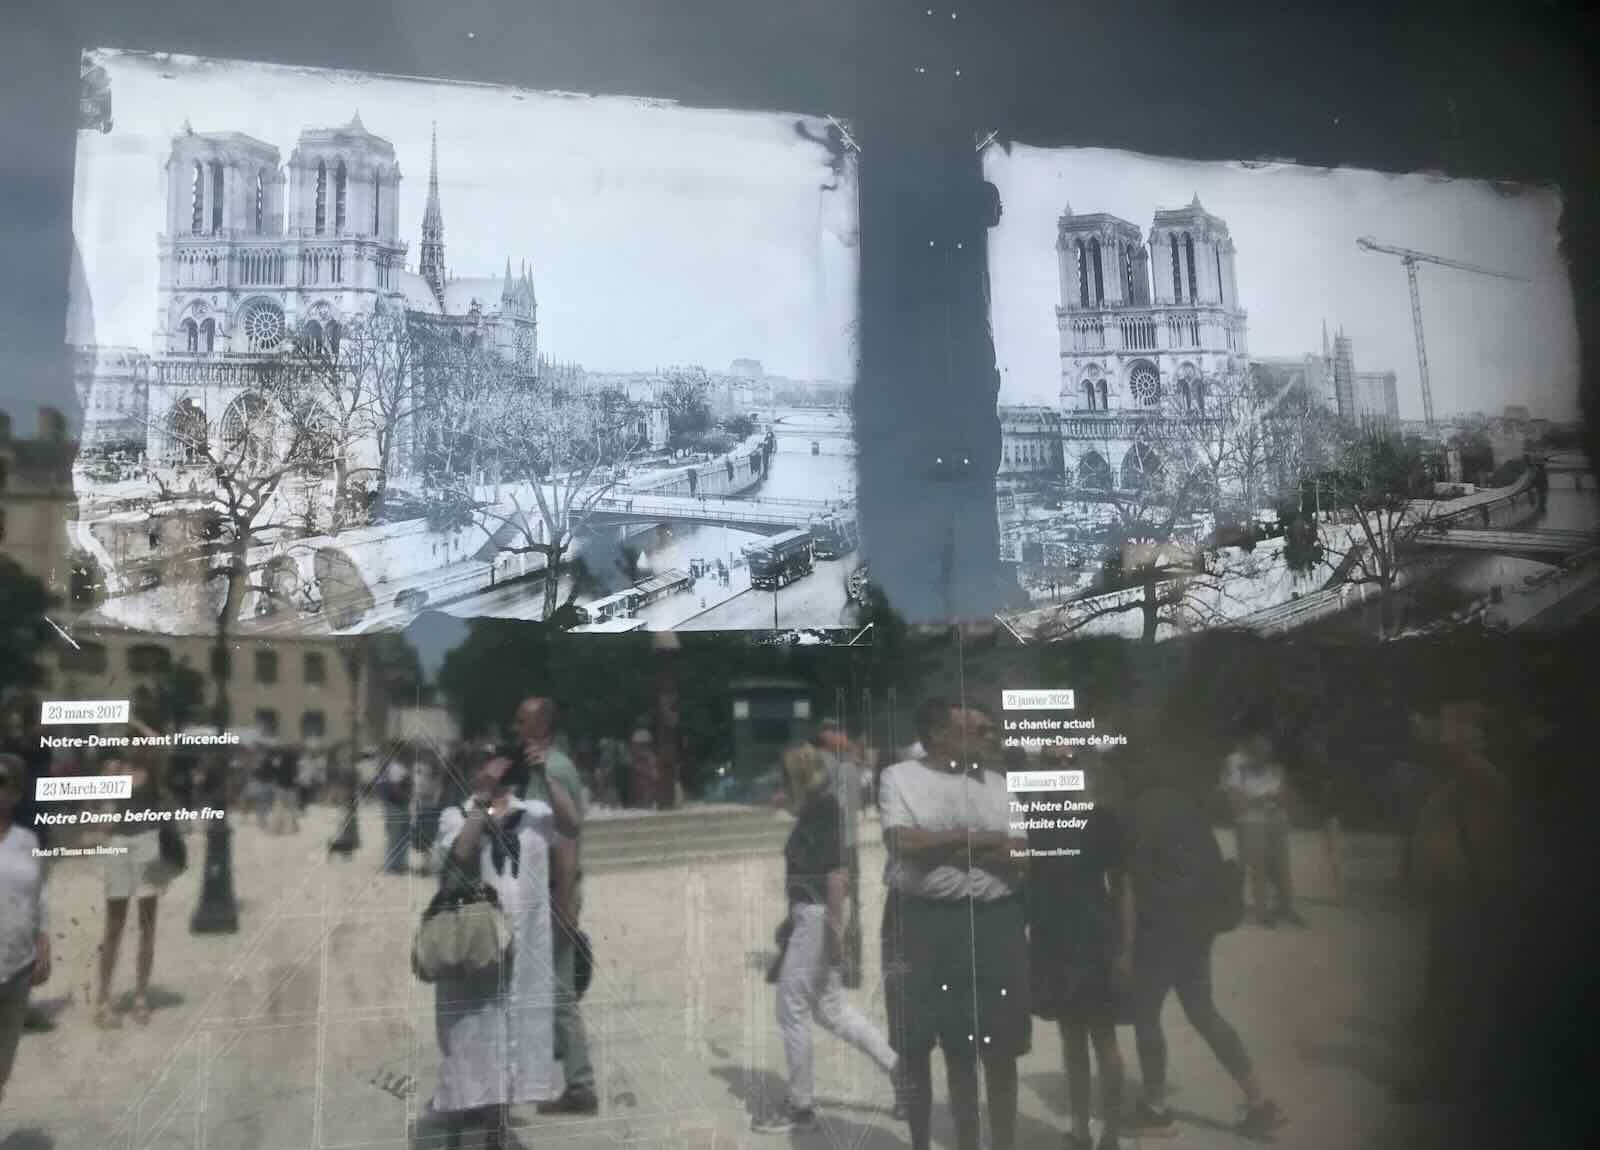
point(988, 926)
point(981, 933)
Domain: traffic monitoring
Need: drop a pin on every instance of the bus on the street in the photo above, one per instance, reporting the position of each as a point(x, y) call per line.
point(621, 605)
point(660, 586)
point(834, 536)
point(779, 561)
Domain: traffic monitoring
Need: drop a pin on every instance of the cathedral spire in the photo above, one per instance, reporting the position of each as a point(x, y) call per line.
point(506, 291)
point(431, 263)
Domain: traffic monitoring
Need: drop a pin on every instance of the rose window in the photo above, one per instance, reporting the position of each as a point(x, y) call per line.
point(1145, 385)
point(263, 327)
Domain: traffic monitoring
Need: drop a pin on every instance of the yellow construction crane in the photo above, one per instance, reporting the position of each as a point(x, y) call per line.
point(1411, 259)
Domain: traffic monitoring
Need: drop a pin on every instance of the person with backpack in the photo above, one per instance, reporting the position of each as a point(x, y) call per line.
point(1185, 894)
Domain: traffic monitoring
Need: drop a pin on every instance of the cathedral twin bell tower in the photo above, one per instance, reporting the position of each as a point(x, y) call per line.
point(1144, 325)
point(254, 250)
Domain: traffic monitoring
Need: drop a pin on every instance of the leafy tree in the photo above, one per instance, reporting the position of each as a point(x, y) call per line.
point(687, 397)
point(1382, 488)
point(177, 698)
point(739, 426)
point(24, 631)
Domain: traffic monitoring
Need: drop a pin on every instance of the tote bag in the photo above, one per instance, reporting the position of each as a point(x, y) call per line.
point(462, 933)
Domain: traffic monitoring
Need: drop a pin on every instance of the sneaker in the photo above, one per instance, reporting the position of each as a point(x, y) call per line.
point(1261, 1120)
point(1149, 1121)
point(788, 1120)
point(577, 1100)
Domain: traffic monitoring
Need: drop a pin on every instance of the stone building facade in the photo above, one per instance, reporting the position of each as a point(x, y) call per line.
point(1030, 446)
point(256, 252)
point(113, 389)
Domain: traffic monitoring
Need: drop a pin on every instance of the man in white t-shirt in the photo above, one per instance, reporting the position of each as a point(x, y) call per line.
point(954, 937)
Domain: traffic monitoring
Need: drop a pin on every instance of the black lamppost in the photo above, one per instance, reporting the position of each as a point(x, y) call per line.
point(218, 909)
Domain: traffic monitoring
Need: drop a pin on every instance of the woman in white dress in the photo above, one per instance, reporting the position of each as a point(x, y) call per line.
point(497, 1031)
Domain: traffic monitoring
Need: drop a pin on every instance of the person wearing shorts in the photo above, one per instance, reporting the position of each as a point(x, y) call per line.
point(135, 873)
point(954, 935)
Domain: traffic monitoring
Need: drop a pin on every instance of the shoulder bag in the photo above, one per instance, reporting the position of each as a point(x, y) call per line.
point(463, 932)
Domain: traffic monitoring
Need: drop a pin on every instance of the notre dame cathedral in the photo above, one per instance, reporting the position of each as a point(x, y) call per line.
point(255, 252)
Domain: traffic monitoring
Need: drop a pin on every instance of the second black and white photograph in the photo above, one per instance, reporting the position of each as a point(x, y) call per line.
point(1274, 397)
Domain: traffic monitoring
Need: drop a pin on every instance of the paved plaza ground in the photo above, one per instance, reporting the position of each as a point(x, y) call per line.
point(306, 1029)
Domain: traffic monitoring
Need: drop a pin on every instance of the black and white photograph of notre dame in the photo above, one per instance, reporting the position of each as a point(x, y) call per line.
point(350, 347)
point(1273, 397)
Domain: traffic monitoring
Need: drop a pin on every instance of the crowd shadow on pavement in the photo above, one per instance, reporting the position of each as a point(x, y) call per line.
point(858, 1125)
point(868, 1128)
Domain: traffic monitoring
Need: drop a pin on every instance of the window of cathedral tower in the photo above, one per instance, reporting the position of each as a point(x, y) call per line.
point(1177, 273)
point(1099, 277)
point(197, 196)
point(377, 196)
point(1188, 251)
point(1083, 275)
point(191, 336)
point(339, 183)
point(320, 219)
point(216, 196)
point(261, 203)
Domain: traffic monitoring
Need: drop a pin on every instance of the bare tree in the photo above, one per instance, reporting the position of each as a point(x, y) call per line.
point(273, 430)
point(564, 448)
point(383, 351)
point(1163, 569)
point(458, 388)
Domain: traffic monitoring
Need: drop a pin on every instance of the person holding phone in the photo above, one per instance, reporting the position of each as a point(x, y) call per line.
point(24, 925)
point(496, 1029)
